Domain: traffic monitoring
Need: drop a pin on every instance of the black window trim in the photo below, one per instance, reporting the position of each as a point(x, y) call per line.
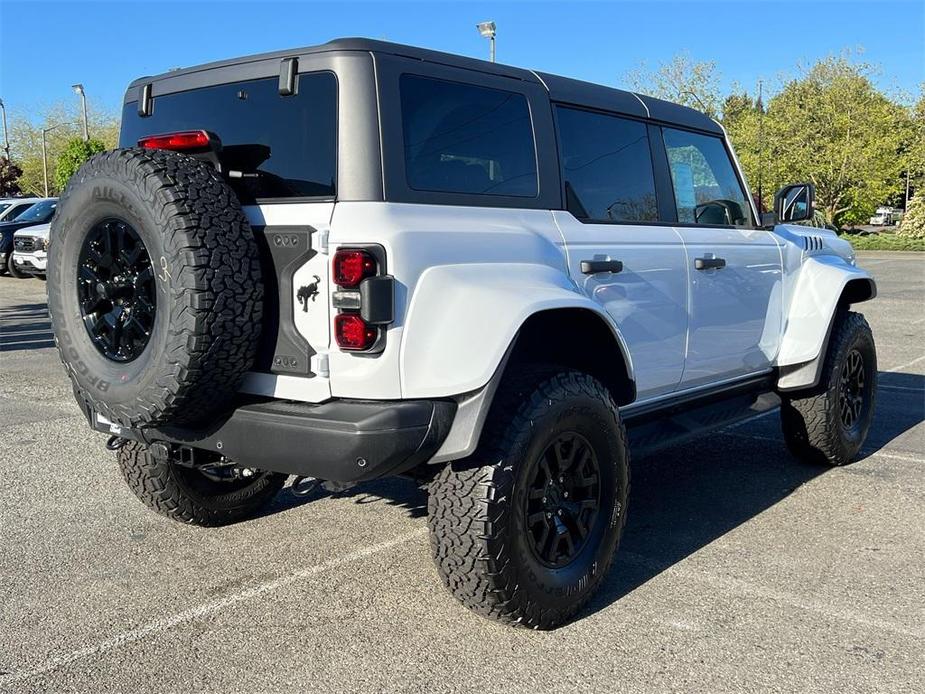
point(389, 70)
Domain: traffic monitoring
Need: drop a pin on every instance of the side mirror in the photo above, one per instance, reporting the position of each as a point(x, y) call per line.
point(794, 203)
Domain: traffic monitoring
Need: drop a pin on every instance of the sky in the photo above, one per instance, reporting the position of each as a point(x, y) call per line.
point(47, 46)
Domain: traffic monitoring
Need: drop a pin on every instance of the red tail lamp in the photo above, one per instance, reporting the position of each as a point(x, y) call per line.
point(178, 142)
point(353, 333)
point(352, 266)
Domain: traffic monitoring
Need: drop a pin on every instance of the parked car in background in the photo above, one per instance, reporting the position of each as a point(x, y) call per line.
point(30, 250)
point(886, 216)
point(10, 208)
point(41, 212)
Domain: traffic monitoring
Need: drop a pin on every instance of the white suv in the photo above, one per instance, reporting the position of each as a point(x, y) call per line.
point(363, 259)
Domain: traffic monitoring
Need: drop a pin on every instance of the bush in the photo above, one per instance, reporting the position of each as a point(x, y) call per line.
point(913, 224)
point(75, 153)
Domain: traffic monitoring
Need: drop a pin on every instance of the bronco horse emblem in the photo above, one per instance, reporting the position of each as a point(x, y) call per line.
point(309, 291)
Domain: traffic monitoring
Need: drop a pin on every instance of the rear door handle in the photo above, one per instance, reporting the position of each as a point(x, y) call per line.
point(591, 267)
point(709, 263)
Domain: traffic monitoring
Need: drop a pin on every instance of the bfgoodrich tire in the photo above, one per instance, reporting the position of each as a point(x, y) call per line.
point(525, 530)
point(828, 424)
point(189, 496)
point(154, 287)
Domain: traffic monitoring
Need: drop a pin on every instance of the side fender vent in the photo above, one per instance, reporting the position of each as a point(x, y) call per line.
point(813, 243)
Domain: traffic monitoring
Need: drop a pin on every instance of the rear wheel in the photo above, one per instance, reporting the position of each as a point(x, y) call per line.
point(829, 423)
point(211, 495)
point(525, 530)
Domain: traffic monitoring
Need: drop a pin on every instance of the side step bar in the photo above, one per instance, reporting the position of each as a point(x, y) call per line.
point(669, 423)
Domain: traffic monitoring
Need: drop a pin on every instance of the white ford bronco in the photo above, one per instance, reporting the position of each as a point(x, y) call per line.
point(363, 259)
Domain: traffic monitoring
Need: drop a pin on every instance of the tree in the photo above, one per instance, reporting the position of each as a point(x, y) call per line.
point(26, 140)
point(75, 153)
point(913, 224)
point(9, 178)
point(681, 80)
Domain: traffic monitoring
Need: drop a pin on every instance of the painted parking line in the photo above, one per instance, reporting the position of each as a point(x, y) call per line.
point(896, 369)
point(737, 586)
point(901, 389)
point(163, 624)
point(868, 453)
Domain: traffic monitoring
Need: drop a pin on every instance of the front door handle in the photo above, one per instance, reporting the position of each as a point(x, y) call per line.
point(709, 263)
point(591, 267)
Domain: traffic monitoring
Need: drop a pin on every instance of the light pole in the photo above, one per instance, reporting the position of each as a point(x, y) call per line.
point(45, 131)
point(488, 31)
point(6, 135)
point(79, 89)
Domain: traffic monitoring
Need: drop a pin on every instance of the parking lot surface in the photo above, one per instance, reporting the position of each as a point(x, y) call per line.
point(740, 569)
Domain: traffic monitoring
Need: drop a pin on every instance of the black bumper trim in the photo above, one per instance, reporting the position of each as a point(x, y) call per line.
point(340, 440)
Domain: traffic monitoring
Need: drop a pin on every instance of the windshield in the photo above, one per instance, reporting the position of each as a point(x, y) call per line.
point(4, 206)
point(39, 212)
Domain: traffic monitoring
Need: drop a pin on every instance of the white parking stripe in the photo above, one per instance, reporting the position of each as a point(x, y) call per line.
point(879, 453)
point(164, 624)
point(906, 365)
point(738, 586)
point(904, 389)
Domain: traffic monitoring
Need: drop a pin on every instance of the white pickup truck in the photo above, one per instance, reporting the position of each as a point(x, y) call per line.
point(362, 259)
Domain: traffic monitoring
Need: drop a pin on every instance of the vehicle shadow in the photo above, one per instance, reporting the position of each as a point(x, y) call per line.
point(25, 327)
point(684, 498)
point(402, 493)
point(900, 407)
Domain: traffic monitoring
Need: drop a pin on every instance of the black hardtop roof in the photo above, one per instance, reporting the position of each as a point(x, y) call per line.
point(562, 89)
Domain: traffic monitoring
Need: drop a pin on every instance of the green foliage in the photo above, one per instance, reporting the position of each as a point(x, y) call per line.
point(75, 153)
point(913, 224)
point(885, 242)
point(65, 119)
point(681, 80)
point(9, 178)
point(831, 127)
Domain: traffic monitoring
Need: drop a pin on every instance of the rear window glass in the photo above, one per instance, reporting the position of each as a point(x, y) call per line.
point(460, 138)
point(289, 142)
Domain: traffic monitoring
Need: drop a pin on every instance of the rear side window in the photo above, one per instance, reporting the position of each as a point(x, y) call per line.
point(459, 138)
point(706, 188)
point(289, 142)
point(606, 167)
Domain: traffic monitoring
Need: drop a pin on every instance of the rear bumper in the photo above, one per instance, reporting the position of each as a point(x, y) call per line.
point(340, 440)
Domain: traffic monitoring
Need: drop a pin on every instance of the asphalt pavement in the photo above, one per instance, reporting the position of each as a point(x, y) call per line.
point(740, 570)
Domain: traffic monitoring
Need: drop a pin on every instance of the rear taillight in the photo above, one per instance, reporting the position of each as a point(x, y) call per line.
point(186, 141)
point(350, 267)
point(353, 333)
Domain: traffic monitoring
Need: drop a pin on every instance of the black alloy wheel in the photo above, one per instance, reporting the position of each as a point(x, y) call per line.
point(116, 290)
point(851, 391)
point(563, 499)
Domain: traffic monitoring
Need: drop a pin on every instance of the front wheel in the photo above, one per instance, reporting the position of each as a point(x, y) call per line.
point(829, 424)
point(525, 530)
point(212, 495)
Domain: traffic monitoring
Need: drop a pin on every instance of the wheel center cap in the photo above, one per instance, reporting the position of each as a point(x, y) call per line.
point(553, 497)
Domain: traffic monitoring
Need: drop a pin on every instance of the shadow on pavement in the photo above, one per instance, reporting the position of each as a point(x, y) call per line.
point(25, 327)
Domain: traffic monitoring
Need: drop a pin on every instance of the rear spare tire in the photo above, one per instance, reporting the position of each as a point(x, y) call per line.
point(154, 287)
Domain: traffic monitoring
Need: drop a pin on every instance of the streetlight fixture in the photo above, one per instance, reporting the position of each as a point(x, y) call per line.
point(488, 31)
point(79, 89)
point(45, 131)
point(6, 135)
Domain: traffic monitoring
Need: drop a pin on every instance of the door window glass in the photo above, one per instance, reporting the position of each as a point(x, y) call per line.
point(606, 166)
point(706, 188)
